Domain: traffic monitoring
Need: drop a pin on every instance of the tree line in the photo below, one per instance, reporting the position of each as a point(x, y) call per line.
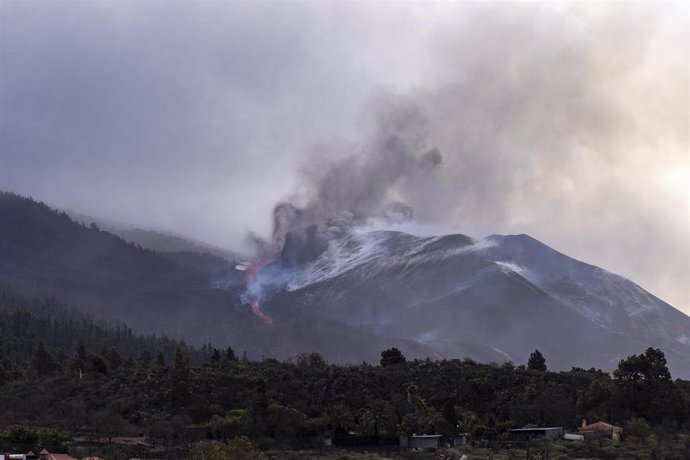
point(61, 370)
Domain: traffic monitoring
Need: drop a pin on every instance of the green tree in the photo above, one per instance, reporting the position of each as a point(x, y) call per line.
point(392, 356)
point(18, 434)
point(78, 363)
point(51, 436)
point(307, 360)
point(431, 420)
point(375, 417)
point(96, 364)
point(114, 359)
point(42, 362)
point(637, 429)
point(81, 351)
point(108, 424)
point(259, 409)
point(649, 367)
point(645, 388)
point(283, 421)
point(228, 425)
point(338, 419)
point(471, 423)
point(215, 356)
point(536, 361)
point(230, 355)
point(179, 380)
point(598, 399)
point(239, 448)
point(145, 358)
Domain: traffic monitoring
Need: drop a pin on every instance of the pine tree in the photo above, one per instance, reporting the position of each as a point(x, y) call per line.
point(81, 351)
point(42, 362)
point(392, 356)
point(230, 354)
point(179, 381)
point(114, 359)
point(536, 361)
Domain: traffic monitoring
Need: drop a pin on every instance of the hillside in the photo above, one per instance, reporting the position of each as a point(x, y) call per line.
point(45, 253)
point(287, 405)
point(155, 240)
point(497, 298)
point(26, 322)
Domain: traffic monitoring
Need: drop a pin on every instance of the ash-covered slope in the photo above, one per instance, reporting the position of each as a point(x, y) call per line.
point(609, 300)
point(497, 298)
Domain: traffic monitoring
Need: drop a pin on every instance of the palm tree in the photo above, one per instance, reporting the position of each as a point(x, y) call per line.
point(430, 420)
point(375, 417)
point(338, 419)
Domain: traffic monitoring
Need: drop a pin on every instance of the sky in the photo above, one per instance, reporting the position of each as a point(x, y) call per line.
point(566, 121)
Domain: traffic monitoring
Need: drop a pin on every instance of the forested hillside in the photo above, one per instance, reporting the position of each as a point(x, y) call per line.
point(27, 325)
point(187, 296)
point(45, 253)
point(61, 369)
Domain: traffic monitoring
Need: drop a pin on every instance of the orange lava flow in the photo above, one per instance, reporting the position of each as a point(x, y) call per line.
point(256, 308)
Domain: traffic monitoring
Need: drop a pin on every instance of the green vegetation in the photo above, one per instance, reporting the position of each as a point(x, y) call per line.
point(536, 361)
point(64, 376)
point(41, 335)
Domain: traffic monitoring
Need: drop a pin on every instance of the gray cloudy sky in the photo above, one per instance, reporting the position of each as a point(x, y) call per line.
point(569, 122)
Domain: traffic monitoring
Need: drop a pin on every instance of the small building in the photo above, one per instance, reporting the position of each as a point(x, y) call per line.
point(45, 455)
point(527, 434)
point(460, 439)
point(600, 430)
point(424, 441)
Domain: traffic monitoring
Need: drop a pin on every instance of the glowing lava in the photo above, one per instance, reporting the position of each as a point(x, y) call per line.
point(252, 269)
point(256, 308)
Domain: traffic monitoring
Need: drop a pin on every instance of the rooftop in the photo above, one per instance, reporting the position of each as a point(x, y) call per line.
point(539, 429)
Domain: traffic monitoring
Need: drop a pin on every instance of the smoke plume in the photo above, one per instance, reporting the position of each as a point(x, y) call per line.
point(375, 182)
point(564, 120)
point(547, 120)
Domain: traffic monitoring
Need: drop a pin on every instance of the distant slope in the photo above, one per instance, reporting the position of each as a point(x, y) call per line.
point(156, 240)
point(45, 253)
point(609, 300)
point(450, 296)
point(508, 294)
point(24, 322)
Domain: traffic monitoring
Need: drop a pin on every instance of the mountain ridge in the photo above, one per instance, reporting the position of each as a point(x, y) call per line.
point(447, 296)
point(479, 281)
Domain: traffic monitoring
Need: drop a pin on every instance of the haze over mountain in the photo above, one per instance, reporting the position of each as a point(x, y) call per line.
point(494, 299)
point(567, 121)
point(156, 240)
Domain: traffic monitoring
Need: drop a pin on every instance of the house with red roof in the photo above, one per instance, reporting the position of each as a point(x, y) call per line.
point(45, 455)
point(600, 429)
